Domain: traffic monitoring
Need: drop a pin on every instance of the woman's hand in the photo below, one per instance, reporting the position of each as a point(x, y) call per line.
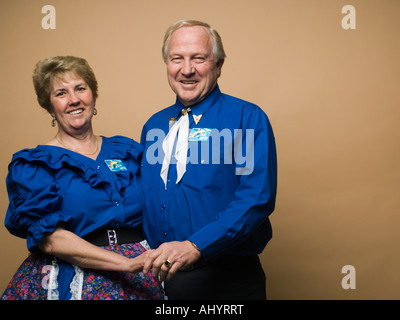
point(137, 264)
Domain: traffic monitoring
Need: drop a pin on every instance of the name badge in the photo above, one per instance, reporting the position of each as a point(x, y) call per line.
point(115, 165)
point(199, 134)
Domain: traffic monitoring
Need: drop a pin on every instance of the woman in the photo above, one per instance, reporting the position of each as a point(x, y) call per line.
point(77, 200)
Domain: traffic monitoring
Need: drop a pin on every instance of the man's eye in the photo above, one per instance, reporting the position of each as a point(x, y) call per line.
point(199, 59)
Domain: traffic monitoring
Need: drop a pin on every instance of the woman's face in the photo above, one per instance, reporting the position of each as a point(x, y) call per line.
point(73, 103)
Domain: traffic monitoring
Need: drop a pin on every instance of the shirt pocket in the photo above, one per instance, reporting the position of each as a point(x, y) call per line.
point(204, 177)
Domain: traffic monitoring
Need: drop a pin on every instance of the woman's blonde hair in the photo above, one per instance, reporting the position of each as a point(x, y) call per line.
point(46, 71)
point(218, 48)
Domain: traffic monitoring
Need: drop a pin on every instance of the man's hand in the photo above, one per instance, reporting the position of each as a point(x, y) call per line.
point(169, 257)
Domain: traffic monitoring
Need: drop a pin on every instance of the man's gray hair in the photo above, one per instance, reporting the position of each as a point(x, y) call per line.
point(218, 48)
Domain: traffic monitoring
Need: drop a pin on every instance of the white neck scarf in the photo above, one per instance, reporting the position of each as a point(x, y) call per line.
point(180, 129)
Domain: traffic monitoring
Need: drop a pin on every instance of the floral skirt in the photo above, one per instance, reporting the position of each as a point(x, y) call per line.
point(31, 281)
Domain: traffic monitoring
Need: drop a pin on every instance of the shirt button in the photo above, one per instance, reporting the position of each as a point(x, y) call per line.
point(116, 203)
point(163, 207)
point(98, 167)
point(165, 235)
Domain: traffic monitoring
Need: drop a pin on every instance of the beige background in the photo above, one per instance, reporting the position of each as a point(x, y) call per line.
point(332, 96)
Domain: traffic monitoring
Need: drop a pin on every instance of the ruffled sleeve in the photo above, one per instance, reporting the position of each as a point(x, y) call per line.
point(127, 149)
point(130, 152)
point(35, 202)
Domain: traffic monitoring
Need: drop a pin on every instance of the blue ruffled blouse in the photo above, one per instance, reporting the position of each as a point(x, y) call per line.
point(48, 186)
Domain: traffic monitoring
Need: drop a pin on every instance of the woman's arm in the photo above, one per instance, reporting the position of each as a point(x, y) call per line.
point(75, 250)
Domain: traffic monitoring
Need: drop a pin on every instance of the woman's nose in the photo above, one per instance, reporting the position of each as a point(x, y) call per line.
point(73, 99)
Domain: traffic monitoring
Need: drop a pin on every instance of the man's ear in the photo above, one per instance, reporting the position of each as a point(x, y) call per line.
point(219, 66)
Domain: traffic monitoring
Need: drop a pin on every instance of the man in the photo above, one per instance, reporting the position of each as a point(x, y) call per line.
point(206, 204)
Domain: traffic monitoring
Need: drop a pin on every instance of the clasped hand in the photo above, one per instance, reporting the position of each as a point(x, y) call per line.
point(169, 257)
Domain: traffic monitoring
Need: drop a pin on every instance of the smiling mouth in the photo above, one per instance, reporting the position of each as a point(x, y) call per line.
point(188, 81)
point(78, 111)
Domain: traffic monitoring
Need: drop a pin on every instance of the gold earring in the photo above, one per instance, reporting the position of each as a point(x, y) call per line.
point(53, 122)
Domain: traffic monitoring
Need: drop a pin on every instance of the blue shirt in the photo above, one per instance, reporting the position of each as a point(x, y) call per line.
point(224, 199)
point(49, 185)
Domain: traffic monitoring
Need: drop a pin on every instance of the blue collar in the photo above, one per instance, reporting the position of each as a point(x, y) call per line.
point(202, 106)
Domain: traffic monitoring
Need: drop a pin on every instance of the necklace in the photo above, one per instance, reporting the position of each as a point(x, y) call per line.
point(85, 154)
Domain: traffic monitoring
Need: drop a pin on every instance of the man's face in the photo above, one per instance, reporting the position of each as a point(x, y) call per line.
point(192, 71)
